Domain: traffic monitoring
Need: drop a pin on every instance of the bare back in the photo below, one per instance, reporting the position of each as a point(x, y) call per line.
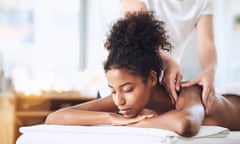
point(225, 112)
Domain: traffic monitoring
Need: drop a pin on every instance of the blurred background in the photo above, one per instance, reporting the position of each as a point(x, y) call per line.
point(51, 55)
point(45, 44)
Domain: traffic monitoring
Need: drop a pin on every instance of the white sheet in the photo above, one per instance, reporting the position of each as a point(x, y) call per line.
point(232, 88)
point(51, 134)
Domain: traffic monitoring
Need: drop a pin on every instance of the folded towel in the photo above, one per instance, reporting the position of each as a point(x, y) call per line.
point(162, 136)
point(211, 132)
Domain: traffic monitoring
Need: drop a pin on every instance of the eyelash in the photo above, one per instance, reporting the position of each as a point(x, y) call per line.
point(127, 91)
point(113, 93)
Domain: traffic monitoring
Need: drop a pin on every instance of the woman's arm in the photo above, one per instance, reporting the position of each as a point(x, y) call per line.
point(132, 6)
point(186, 119)
point(205, 43)
point(207, 56)
point(88, 113)
point(100, 111)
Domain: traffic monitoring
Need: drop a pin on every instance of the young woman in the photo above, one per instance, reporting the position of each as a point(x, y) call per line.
point(137, 98)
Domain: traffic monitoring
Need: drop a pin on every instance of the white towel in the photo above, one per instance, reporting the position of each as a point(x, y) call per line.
point(232, 88)
point(111, 133)
point(211, 132)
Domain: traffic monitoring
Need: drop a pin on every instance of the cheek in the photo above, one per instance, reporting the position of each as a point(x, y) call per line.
point(141, 98)
point(114, 98)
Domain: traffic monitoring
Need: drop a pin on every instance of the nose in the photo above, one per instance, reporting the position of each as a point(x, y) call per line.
point(120, 100)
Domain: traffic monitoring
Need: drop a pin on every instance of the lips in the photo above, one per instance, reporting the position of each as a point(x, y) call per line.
point(124, 111)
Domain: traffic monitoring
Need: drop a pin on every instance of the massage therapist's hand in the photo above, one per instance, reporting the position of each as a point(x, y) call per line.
point(206, 81)
point(172, 78)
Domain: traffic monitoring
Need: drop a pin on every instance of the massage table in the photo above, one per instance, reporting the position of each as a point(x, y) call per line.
point(106, 134)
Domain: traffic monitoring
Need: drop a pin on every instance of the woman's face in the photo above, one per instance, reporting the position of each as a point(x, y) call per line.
point(129, 92)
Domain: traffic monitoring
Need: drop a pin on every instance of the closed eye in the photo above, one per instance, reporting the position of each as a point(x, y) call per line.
point(113, 92)
point(128, 90)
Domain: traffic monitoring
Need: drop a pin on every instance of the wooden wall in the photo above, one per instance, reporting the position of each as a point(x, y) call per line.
point(6, 119)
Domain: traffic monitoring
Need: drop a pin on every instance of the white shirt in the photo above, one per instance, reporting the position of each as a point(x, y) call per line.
point(180, 17)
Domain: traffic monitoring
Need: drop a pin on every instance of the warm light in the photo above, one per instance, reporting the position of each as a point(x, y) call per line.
point(85, 82)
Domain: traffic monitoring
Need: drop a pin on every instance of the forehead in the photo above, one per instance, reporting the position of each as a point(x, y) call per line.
point(115, 76)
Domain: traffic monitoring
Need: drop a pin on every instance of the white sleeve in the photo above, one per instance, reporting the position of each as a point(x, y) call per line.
point(142, 1)
point(207, 7)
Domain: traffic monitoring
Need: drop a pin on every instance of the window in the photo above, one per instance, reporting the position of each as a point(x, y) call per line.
point(40, 41)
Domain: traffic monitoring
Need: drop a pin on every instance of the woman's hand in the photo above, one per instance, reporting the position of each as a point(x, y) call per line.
point(148, 113)
point(206, 80)
point(120, 120)
point(172, 78)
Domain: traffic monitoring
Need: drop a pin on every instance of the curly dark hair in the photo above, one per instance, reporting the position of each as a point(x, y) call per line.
point(134, 43)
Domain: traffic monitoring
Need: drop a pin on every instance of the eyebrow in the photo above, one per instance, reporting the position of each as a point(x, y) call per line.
point(122, 85)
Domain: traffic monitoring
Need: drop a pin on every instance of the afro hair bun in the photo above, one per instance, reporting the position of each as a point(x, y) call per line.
point(140, 31)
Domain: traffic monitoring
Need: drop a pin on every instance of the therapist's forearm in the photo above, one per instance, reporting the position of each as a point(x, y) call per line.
point(207, 54)
point(208, 59)
point(132, 6)
point(166, 59)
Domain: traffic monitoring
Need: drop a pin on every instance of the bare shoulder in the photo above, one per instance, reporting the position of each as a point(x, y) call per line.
point(189, 96)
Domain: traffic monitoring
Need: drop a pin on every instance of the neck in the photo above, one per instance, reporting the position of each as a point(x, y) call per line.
point(160, 93)
point(160, 100)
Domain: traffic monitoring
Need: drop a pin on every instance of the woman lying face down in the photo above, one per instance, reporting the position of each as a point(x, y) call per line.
point(137, 99)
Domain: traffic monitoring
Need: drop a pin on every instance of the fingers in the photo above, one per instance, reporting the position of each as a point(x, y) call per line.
point(173, 95)
point(208, 96)
point(209, 101)
point(208, 91)
point(175, 86)
point(172, 84)
point(178, 82)
point(205, 96)
point(150, 116)
point(189, 83)
point(171, 90)
point(148, 112)
point(140, 118)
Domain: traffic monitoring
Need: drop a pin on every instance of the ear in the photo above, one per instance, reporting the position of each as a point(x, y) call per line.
point(153, 78)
